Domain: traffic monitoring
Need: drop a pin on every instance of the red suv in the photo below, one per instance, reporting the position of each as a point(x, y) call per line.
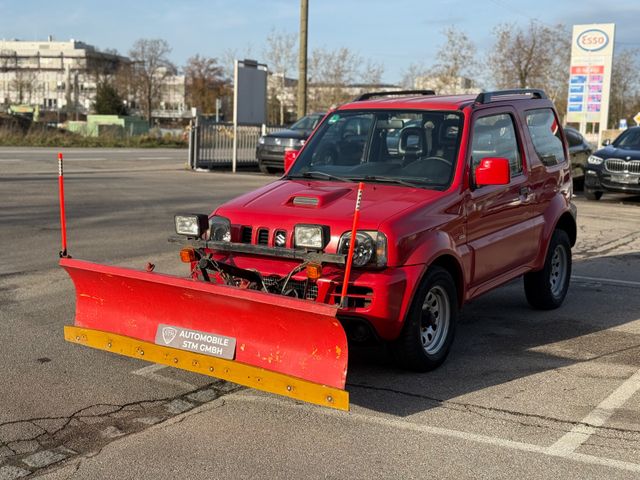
point(461, 194)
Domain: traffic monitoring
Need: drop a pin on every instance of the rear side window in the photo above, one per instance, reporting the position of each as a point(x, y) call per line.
point(545, 134)
point(495, 136)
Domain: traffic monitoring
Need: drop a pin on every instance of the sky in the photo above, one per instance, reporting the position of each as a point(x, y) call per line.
point(394, 33)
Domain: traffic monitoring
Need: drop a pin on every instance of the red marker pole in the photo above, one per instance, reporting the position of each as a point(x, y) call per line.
point(63, 223)
point(352, 244)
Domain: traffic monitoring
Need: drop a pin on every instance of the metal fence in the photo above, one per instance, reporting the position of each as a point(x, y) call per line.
point(211, 144)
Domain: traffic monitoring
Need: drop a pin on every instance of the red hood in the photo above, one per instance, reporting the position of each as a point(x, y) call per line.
point(328, 203)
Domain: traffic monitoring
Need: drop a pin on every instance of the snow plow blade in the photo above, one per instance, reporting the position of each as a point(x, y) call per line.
point(283, 345)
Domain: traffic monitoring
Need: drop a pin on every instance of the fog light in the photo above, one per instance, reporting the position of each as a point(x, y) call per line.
point(191, 225)
point(309, 236)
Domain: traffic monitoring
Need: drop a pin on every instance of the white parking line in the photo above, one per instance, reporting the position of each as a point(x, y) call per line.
point(155, 158)
point(597, 417)
point(445, 432)
point(150, 372)
point(607, 280)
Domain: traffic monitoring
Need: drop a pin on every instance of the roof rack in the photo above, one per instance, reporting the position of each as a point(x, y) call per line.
point(369, 95)
point(487, 97)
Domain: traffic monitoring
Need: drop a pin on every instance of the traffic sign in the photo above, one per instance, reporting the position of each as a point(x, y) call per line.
point(637, 118)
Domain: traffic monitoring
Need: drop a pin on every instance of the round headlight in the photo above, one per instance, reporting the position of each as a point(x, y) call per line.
point(363, 250)
point(219, 229)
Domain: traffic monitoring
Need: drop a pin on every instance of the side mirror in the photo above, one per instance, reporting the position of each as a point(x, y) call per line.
point(290, 158)
point(606, 143)
point(493, 171)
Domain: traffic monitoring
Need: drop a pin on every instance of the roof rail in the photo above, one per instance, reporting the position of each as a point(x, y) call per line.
point(487, 97)
point(369, 95)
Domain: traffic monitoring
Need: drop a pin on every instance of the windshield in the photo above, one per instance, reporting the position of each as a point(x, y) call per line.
point(629, 140)
point(417, 148)
point(306, 123)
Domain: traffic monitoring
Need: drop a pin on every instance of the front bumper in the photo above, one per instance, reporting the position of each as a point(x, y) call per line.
point(379, 297)
point(271, 155)
point(604, 181)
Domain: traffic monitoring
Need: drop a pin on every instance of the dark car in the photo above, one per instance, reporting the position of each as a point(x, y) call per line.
point(614, 168)
point(579, 152)
point(271, 147)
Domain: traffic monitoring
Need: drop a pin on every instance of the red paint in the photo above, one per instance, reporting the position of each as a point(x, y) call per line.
point(289, 157)
point(63, 222)
point(493, 171)
point(290, 336)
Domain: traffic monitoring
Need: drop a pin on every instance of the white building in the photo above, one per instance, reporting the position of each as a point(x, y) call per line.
point(53, 75)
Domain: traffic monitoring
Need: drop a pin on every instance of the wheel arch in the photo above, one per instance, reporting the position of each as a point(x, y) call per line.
point(567, 223)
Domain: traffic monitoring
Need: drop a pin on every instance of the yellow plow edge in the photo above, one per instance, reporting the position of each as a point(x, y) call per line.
point(232, 371)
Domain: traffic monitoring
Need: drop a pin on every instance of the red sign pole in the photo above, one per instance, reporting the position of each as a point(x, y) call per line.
point(352, 244)
point(63, 222)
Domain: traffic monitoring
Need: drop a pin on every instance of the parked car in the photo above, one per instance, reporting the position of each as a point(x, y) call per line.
point(579, 152)
point(271, 147)
point(616, 167)
point(476, 193)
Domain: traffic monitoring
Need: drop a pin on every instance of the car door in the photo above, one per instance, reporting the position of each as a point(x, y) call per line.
point(502, 231)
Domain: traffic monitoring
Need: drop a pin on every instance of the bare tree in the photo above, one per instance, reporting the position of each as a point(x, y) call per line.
point(204, 83)
point(412, 74)
point(625, 86)
point(150, 68)
point(23, 84)
point(537, 56)
point(280, 55)
point(456, 64)
point(372, 72)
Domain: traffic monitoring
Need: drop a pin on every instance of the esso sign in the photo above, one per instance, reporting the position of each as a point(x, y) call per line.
point(592, 40)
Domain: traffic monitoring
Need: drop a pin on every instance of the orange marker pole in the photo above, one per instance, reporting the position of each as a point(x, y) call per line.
point(352, 244)
point(63, 223)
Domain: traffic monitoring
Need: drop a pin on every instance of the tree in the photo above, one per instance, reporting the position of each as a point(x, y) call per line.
point(456, 61)
point(537, 56)
point(24, 84)
point(624, 97)
point(280, 55)
point(150, 68)
point(108, 101)
point(204, 83)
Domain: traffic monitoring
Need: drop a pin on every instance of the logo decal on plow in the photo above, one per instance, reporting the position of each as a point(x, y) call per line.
point(168, 334)
point(207, 343)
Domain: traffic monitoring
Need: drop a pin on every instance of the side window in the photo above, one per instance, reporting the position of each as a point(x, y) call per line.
point(495, 136)
point(545, 134)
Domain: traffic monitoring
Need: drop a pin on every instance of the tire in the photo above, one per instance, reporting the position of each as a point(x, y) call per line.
point(425, 341)
point(592, 194)
point(547, 288)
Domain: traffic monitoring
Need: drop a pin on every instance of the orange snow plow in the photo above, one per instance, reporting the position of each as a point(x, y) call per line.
point(275, 343)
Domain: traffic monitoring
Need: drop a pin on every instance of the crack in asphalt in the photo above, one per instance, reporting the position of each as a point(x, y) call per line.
point(84, 432)
point(481, 410)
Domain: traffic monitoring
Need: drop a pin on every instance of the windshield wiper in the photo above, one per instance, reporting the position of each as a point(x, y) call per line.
point(376, 178)
point(316, 174)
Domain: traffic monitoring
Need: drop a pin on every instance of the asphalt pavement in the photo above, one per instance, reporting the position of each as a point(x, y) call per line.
point(524, 394)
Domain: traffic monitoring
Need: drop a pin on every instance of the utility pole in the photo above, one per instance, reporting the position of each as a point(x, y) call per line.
point(302, 59)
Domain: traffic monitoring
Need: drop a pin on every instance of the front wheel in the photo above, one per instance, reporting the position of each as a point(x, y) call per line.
point(592, 194)
point(430, 325)
point(546, 289)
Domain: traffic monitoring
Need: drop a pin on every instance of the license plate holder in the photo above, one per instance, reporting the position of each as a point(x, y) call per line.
point(626, 179)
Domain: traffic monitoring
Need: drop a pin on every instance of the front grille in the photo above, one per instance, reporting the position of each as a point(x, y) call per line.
point(263, 236)
point(618, 165)
point(246, 235)
point(302, 288)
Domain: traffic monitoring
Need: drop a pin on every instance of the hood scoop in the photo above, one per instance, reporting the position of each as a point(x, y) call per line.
point(300, 201)
point(316, 197)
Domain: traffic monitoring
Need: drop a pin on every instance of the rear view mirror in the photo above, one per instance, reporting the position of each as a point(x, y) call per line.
point(493, 171)
point(289, 159)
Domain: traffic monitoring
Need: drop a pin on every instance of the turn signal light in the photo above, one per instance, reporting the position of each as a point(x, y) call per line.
point(314, 271)
point(188, 255)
